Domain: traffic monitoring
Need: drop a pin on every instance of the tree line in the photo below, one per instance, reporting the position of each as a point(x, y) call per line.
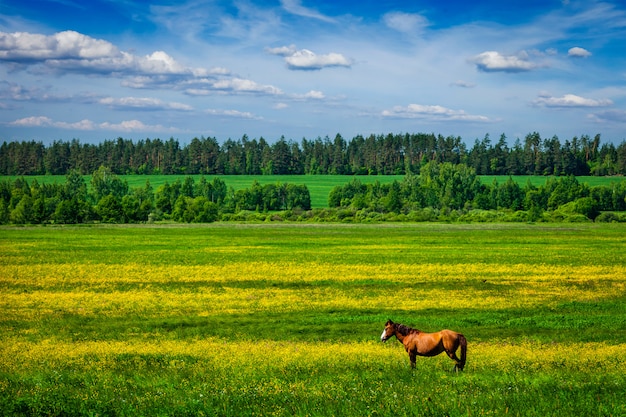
point(397, 154)
point(457, 192)
point(110, 200)
point(441, 192)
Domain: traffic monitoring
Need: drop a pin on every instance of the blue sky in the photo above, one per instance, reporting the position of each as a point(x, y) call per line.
point(296, 68)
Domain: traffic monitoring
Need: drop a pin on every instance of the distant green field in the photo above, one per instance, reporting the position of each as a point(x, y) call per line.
point(319, 185)
point(541, 180)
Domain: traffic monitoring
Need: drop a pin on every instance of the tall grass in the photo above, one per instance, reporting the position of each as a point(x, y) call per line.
point(285, 319)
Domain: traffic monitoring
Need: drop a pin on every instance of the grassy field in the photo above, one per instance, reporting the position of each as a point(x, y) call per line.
point(319, 185)
point(284, 319)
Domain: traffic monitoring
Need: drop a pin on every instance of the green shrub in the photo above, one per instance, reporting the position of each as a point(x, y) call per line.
point(609, 217)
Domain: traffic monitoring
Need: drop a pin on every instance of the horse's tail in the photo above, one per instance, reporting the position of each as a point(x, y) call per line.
point(463, 343)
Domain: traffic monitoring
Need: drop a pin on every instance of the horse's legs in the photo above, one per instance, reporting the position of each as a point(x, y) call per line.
point(457, 361)
point(412, 357)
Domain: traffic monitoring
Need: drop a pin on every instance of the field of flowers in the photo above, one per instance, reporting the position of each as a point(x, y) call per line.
point(284, 319)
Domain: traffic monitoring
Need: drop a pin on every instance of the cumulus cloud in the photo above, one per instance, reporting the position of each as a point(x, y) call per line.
point(569, 100)
point(23, 46)
point(409, 23)
point(578, 52)
point(71, 51)
point(434, 113)
point(305, 59)
point(142, 103)
point(308, 60)
point(492, 61)
point(85, 124)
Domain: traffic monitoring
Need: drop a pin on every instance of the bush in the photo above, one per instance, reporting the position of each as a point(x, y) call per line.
point(560, 216)
point(427, 214)
point(609, 217)
point(343, 214)
point(520, 216)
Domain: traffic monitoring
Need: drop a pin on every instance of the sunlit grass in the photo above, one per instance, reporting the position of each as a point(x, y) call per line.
point(285, 320)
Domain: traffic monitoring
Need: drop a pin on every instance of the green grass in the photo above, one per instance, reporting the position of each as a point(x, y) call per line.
point(228, 319)
point(319, 185)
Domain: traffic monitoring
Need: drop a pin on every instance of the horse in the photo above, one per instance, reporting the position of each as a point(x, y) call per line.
point(418, 343)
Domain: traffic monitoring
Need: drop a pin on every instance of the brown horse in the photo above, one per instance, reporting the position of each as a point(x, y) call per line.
point(418, 343)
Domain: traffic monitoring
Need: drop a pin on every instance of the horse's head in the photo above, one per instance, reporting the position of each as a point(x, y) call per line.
point(390, 330)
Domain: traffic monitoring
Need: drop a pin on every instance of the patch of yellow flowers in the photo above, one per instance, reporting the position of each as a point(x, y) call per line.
point(31, 292)
point(17, 355)
point(116, 290)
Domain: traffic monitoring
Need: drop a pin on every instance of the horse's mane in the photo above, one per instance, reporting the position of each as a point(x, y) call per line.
point(405, 330)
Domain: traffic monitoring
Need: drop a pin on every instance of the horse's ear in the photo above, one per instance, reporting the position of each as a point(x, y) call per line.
point(389, 322)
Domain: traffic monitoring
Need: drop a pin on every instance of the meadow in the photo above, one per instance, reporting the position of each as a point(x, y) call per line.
point(285, 319)
point(319, 185)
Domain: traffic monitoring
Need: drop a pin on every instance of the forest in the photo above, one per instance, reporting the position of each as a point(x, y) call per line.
point(391, 154)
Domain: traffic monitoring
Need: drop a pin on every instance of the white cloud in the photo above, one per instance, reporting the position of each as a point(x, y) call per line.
point(578, 52)
point(33, 121)
point(315, 94)
point(203, 86)
point(206, 87)
point(135, 126)
point(233, 114)
point(305, 59)
point(492, 61)
point(87, 125)
point(434, 113)
point(143, 103)
point(245, 86)
point(43, 121)
point(23, 46)
point(296, 7)
point(282, 50)
point(124, 63)
point(310, 96)
point(409, 23)
point(73, 52)
point(569, 100)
